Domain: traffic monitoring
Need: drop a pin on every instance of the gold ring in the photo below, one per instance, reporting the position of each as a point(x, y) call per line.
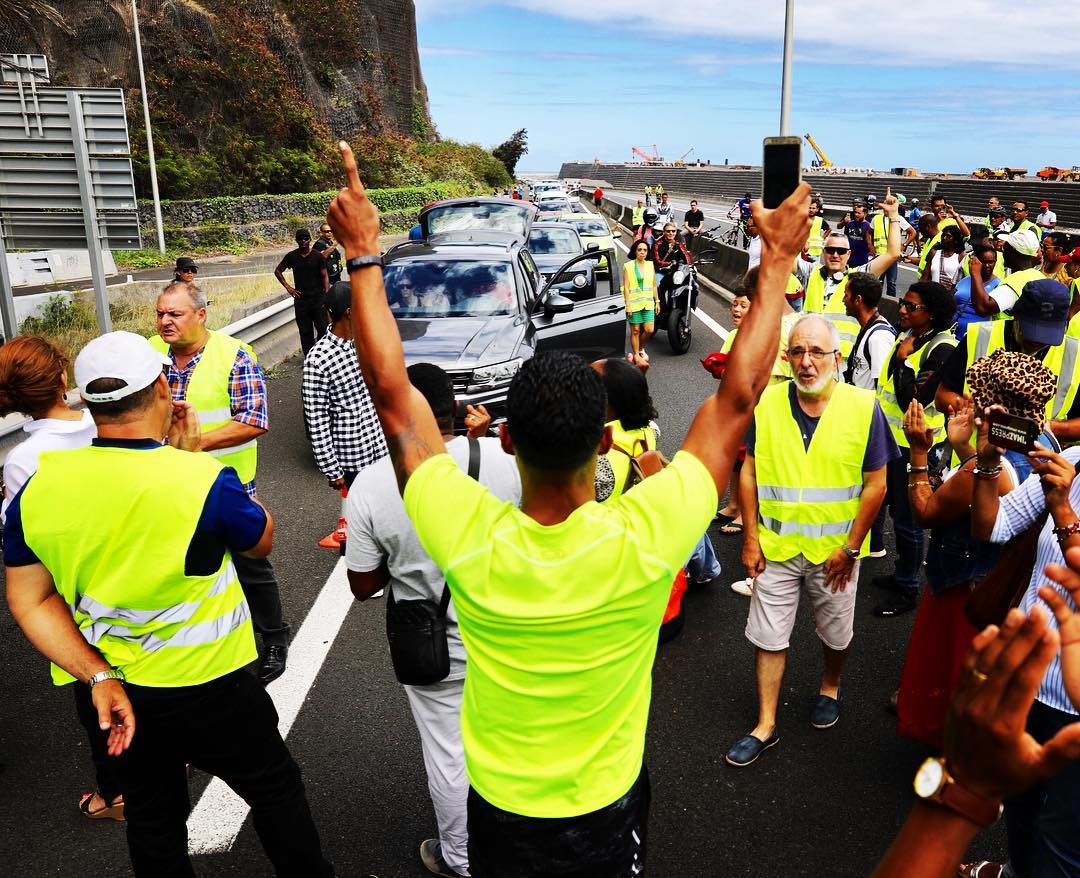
point(979, 675)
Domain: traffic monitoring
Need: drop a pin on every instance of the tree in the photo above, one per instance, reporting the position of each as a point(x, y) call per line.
point(511, 151)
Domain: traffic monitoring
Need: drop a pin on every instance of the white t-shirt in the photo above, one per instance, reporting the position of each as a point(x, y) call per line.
point(1046, 219)
point(869, 356)
point(754, 252)
point(378, 529)
point(45, 434)
point(945, 269)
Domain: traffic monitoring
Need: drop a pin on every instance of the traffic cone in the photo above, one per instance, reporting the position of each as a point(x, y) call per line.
point(336, 538)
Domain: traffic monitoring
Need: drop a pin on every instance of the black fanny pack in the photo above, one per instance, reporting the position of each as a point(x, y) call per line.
point(416, 629)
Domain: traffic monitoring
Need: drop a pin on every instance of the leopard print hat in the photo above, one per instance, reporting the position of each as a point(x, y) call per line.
point(1018, 382)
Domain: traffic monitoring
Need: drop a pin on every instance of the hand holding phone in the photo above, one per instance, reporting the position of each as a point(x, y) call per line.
point(1012, 432)
point(781, 169)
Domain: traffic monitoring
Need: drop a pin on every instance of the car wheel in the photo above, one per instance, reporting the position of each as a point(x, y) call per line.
point(678, 331)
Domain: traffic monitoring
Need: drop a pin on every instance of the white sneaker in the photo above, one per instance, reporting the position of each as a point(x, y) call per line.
point(745, 587)
point(379, 593)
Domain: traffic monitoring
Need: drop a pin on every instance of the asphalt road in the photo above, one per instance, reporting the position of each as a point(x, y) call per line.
point(716, 213)
point(823, 803)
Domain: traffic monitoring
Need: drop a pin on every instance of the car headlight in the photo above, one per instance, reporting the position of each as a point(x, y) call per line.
point(679, 277)
point(579, 280)
point(489, 376)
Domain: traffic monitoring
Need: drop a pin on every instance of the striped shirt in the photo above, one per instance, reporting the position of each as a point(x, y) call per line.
point(1019, 510)
point(344, 428)
point(247, 392)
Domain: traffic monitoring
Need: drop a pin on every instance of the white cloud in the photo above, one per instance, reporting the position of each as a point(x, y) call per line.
point(831, 31)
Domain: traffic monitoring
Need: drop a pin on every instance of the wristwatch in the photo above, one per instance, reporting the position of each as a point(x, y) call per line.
point(358, 262)
point(101, 676)
point(853, 554)
point(934, 784)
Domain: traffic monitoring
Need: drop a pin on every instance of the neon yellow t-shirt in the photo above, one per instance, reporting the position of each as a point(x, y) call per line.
point(560, 626)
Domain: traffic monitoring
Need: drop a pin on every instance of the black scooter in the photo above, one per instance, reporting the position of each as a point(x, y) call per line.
point(678, 292)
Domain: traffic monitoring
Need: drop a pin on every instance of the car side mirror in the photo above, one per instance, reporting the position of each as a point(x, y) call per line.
point(593, 246)
point(556, 304)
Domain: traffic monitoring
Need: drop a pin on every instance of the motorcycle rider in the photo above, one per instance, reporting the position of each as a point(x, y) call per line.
point(645, 232)
point(668, 253)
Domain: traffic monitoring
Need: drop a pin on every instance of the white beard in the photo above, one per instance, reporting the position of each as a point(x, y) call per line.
point(819, 385)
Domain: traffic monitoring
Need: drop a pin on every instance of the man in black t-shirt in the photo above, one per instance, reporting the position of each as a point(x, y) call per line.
point(693, 221)
point(308, 289)
point(331, 252)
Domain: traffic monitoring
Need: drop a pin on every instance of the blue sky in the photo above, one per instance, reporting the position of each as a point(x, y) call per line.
point(589, 79)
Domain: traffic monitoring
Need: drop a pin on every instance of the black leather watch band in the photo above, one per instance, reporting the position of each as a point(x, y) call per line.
point(358, 262)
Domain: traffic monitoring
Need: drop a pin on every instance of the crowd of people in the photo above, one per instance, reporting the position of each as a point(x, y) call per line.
point(523, 628)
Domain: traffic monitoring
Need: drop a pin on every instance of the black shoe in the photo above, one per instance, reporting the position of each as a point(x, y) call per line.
point(896, 605)
point(887, 582)
point(272, 665)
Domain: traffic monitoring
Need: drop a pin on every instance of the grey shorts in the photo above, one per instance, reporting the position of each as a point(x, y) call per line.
point(775, 602)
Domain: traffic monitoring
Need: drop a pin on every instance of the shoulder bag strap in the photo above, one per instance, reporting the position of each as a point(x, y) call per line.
point(474, 473)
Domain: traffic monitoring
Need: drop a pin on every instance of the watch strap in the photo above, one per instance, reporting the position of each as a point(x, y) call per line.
point(358, 262)
point(965, 803)
point(102, 676)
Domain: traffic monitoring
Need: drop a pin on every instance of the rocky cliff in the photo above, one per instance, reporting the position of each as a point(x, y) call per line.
point(247, 91)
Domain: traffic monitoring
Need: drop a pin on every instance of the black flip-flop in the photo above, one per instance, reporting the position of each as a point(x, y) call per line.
point(724, 519)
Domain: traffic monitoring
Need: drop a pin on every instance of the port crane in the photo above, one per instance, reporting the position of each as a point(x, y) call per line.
point(653, 159)
point(825, 163)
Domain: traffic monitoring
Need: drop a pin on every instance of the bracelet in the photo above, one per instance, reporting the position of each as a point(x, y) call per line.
point(968, 459)
point(919, 482)
point(917, 469)
point(987, 475)
point(1063, 533)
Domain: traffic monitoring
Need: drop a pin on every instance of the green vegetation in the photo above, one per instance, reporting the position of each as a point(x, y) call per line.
point(509, 152)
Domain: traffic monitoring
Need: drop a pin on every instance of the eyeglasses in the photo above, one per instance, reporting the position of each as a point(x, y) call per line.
point(669, 231)
point(837, 251)
point(816, 355)
point(910, 306)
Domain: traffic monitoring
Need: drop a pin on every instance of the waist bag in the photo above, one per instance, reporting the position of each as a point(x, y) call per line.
point(416, 629)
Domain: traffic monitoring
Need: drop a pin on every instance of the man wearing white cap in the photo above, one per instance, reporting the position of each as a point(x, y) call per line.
point(132, 590)
point(1020, 253)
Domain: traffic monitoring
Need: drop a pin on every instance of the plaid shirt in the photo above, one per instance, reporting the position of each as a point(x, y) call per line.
point(345, 431)
point(247, 391)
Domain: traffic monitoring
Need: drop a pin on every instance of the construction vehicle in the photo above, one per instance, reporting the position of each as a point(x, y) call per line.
point(1063, 175)
point(681, 160)
point(825, 163)
point(989, 173)
point(1014, 173)
point(653, 159)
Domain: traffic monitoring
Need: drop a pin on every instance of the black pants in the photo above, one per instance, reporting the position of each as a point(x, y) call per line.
point(107, 769)
point(909, 534)
point(311, 319)
point(227, 728)
point(609, 843)
point(260, 586)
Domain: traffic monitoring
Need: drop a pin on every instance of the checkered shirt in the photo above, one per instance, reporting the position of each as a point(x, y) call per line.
point(345, 431)
point(247, 391)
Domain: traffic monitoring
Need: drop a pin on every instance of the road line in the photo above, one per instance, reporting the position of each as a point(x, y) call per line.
point(698, 313)
point(217, 819)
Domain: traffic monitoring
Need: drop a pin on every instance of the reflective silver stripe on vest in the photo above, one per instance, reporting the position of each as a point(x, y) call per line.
point(198, 634)
point(214, 415)
point(1065, 378)
point(221, 452)
point(813, 531)
point(808, 495)
point(982, 342)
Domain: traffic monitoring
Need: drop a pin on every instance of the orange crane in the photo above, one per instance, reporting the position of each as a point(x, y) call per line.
point(650, 159)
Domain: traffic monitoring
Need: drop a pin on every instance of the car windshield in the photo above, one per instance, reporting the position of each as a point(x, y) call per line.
point(457, 288)
point(590, 227)
point(546, 241)
point(460, 217)
point(553, 204)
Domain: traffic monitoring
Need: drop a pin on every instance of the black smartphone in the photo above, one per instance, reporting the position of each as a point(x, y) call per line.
point(1012, 432)
point(781, 169)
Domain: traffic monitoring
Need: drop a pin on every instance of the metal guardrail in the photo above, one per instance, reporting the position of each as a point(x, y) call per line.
point(250, 329)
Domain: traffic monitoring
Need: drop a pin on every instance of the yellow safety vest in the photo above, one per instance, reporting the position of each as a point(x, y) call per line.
point(633, 442)
point(999, 266)
point(113, 525)
point(833, 310)
point(808, 498)
point(1018, 280)
point(638, 217)
point(639, 298)
point(781, 370)
point(1063, 360)
point(881, 232)
point(208, 391)
point(927, 247)
point(816, 242)
point(886, 391)
point(1028, 224)
point(659, 189)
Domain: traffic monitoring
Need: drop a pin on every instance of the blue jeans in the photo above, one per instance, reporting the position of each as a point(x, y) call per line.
point(909, 536)
point(890, 279)
point(1043, 823)
point(703, 566)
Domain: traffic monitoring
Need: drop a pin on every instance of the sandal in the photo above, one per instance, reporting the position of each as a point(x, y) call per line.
point(115, 811)
point(981, 869)
point(732, 528)
point(723, 517)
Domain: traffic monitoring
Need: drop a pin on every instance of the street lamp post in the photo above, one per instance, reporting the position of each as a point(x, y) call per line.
point(785, 87)
point(149, 133)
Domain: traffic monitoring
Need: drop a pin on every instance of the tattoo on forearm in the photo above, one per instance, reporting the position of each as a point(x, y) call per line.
point(408, 449)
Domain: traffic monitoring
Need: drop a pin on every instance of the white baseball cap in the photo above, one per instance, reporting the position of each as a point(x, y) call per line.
point(124, 356)
point(1023, 241)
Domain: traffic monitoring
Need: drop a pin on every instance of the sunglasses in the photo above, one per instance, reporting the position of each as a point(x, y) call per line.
point(189, 271)
point(837, 251)
point(324, 231)
point(905, 305)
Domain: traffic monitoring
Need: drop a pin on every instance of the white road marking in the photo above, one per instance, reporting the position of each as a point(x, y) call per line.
point(216, 820)
point(698, 313)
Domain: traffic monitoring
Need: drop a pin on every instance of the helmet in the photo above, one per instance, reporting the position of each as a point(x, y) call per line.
point(914, 202)
point(748, 196)
point(901, 199)
point(871, 199)
point(650, 216)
